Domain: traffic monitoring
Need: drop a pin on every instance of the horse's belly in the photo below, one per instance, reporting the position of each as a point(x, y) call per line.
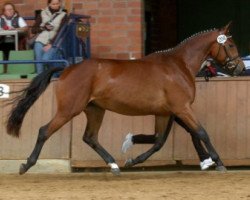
point(134, 107)
point(132, 98)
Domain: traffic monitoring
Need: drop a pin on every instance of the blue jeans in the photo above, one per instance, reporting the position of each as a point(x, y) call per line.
point(40, 54)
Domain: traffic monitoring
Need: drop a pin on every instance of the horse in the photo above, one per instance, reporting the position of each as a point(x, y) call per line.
point(161, 84)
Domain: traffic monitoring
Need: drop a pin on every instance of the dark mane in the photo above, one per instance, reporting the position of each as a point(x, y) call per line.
point(186, 40)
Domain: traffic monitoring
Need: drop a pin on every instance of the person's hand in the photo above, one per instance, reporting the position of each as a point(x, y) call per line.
point(49, 27)
point(47, 47)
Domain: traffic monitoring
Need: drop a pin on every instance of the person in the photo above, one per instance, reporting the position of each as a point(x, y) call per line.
point(46, 27)
point(10, 20)
point(210, 68)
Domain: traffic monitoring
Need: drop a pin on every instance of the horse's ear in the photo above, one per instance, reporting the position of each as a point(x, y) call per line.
point(226, 28)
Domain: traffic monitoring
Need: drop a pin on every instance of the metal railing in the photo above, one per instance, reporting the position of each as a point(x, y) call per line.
point(34, 62)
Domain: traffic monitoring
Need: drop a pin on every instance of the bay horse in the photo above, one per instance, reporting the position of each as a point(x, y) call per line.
point(161, 84)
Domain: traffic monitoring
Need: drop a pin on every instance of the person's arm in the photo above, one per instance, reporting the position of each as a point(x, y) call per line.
point(63, 21)
point(49, 45)
point(23, 27)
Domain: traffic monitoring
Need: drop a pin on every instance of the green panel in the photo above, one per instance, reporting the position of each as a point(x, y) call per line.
point(9, 76)
point(31, 76)
point(21, 68)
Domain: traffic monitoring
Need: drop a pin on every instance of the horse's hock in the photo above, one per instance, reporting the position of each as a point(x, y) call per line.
point(222, 105)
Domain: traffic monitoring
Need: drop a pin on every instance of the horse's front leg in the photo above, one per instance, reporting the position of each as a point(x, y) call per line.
point(160, 122)
point(205, 159)
point(158, 142)
point(187, 117)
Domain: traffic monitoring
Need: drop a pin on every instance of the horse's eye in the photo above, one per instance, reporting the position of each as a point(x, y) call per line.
point(231, 45)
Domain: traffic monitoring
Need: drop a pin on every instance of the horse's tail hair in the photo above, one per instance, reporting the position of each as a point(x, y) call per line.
point(23, 102)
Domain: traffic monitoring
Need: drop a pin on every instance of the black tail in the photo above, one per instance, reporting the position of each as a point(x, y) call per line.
point(28, 97)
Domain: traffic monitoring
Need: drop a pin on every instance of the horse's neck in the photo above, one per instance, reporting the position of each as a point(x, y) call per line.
point(196, 50)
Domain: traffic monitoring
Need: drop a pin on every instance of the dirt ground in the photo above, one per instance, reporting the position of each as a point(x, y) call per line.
point(190, 185)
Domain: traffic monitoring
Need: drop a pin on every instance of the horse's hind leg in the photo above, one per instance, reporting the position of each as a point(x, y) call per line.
point(160, 126)
point(95, 116)
point(44, 133)
point(188, 118)
point(160, 141)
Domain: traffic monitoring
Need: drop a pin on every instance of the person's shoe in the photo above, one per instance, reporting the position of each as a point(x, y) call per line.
point(206, 163)
point(127, 143)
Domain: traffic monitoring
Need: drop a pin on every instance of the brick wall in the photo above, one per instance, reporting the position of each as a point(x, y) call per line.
point(116, 30)
point(116, 27)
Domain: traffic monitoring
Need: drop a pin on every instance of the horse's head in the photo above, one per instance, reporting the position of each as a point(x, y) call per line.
point(226, 53)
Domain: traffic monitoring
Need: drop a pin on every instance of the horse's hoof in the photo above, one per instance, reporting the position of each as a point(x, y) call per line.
point(205, 164)
point(129, 163)
point(22, 169)
point(115, 171)
point(221, 168)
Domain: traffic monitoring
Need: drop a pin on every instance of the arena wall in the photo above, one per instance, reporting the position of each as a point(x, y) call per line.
point(222, 106)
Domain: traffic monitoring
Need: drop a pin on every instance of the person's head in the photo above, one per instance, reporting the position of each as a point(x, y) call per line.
point(9, 9)
point(54, 4)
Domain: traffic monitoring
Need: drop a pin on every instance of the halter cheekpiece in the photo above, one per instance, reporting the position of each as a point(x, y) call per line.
point(221, 39)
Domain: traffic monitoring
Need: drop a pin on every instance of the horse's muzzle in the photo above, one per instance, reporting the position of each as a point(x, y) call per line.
point(239, 68)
